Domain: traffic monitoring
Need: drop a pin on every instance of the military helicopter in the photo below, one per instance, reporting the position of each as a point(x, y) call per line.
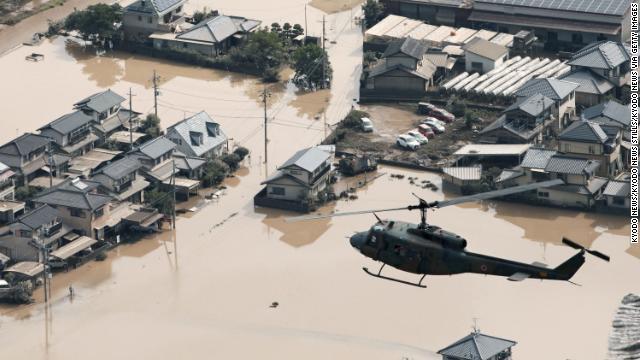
point(427, 249)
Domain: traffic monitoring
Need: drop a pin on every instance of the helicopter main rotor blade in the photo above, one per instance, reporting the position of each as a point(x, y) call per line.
point(498, 193)
point(346, 213)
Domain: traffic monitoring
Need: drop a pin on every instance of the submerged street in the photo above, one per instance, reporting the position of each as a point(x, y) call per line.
point(204, 290)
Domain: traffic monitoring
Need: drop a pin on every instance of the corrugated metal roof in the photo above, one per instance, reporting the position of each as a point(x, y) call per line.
point(201, 123)
point(464, 173)
point(485, 48)
point(409, 46)
point(601, 55)
point(477, 346)
point(533, 105)
point(585, 131)
point(24, 144)
point(439, 59)
point(608, 7)
point(537, 158)
point(552, 88)
point(493, 149)
point(568, 165)
point(618, 188)
point(154, 148)
point(101, 101)
point(589, 83)
point(73, 247)
point(69, 122)
point(611, 110)
point(308, 159)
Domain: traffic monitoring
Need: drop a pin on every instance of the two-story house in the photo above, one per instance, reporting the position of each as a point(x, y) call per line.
point(23, 239)
point(71, 133)
point(581, 188)
point(599, 68)
point(589, 140)
point(404, 67)
point(25, 155)
point(7, 187)
point(108, 115)
point(145, 17)
point(478, 346)
point(526, 121)
point(610, 113)
point(155, 156)
point(299, 180)
point(560, 91)
point(199, 136)
point(79, 204)
point(120, 179)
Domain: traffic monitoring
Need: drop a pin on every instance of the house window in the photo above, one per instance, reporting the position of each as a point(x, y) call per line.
point(567, 148)
point(618, 200)
point(276, 190)
point(99, 212)
point(150, 20)
point(25, 233)
point(543, 194)
point(77, 213)
point(592, 149)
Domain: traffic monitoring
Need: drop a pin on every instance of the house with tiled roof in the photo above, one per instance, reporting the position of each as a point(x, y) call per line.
point(590, 140)
point(155, 156)
point(210, 37)
point(478, 346)
point(560, 91)
point(609, 113)
point(25, 155)
point(617, 194)
point(198, 136)
point(145, 17)
point(121, 180)
point(71, 133)
point(528, 120)
point(7, 179)
point(107, 113)
point(404, 68)
point(80, 205)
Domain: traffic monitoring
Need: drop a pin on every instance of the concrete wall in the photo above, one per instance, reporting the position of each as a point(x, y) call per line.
point(561, 198)
point(627, 203)
point(487, 64)
point(204, 49)
point(588, 100)
point(292, 192)
point(399, 81)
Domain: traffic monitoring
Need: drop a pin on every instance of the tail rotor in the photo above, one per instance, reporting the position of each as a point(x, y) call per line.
point(582, 248)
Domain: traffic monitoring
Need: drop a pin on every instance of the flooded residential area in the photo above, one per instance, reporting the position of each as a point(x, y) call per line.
point(156, 205)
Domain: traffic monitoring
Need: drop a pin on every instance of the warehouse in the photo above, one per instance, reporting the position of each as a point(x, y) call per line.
point(557, 23)
point(440, 12)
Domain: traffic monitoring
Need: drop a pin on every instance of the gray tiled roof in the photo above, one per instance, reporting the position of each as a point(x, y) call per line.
point(24, 144)
point(409, 46)
point(524, 132)
point(537, 158)
point(569, 165)
point(439, 59)
point(308, 159)
point(589, 82)
point(552, 88)
point(121, 168)
point(610, 7)
point(157, 6)
point(617, 188)
point(533, 105)
point(601, 55)
point(584, 131)
point(201, 123)
point(154, 148)
point(477, 346)
point(485, 48)
point(219, 28)
point(425, 71)
point(187, 163)
point(508, 174)
point(610, 111)
point(39, 216)
point(101, 101)
point(73, 199)
point(69, 122)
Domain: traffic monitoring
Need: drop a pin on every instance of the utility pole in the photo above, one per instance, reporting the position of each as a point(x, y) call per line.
point(305, 25)
point(51, 165)
point(324, 58)
point(265, 95)
point(155, 92)
point(173, 190)
point(45, 260)
point(130, 119)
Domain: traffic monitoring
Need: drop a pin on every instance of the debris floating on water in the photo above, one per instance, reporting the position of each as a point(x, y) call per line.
point(274, 305)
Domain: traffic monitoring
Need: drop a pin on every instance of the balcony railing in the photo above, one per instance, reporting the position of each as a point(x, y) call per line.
point(53, 229)
point(124, 186)
point(76, 137)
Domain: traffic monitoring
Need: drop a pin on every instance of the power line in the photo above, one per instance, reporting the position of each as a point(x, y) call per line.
point(207, 97)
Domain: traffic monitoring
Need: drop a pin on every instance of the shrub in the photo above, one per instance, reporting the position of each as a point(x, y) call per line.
point(352, 120)
point(23, 193)
point(161, 200)
point(242, 152)
point(271, 75)
point(232, 160)
point(459, 108)
point(215, 172)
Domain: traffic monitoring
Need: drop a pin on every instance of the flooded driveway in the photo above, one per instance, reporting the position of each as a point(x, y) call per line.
point(205, 289)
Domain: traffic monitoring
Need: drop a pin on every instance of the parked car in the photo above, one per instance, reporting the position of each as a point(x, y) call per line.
point(407, 142)
point(419, 137)
point(443, 115)
point(424, 108)
point(437, 126)
point(426, 130)
point(366, 125)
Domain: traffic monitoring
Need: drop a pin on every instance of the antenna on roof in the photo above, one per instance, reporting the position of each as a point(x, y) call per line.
point(476, 330)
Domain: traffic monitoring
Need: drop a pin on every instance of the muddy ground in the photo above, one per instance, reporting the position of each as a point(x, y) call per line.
point(391, 120)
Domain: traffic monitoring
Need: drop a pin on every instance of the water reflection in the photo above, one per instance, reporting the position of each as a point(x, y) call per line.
point(296, 234)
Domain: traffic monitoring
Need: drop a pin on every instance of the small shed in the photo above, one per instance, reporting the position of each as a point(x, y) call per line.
point(500, 155)
point(483, 56)
point(457, 178)
point(26, 270)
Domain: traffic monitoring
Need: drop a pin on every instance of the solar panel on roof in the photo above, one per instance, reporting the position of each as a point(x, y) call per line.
point(610, 7)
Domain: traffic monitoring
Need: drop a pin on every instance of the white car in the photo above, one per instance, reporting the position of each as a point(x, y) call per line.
point(407, 142)
point(366, 124)
point(436, 125)
point(419, 137)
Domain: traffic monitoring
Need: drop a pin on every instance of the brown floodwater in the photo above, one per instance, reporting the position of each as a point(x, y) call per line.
point(204, 290)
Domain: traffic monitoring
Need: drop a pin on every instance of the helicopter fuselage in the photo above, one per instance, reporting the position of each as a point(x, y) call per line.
point(434, 251)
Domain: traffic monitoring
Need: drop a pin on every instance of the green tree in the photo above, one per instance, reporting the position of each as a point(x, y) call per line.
point(200, 15)
point(369, 57)
point(286, 30)
point(159, 199)
point(307, 62)
point(241, 151)
point(352, 120)
point(276, 28)
point(214, 172)
point(297, 30)
point(372, 12)
point(97, 20)
point(24, 193)
point(151, 125)
point(232, 160)
point(263, 50)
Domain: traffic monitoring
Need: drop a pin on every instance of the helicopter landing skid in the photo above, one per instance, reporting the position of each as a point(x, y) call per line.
point(379, 276)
